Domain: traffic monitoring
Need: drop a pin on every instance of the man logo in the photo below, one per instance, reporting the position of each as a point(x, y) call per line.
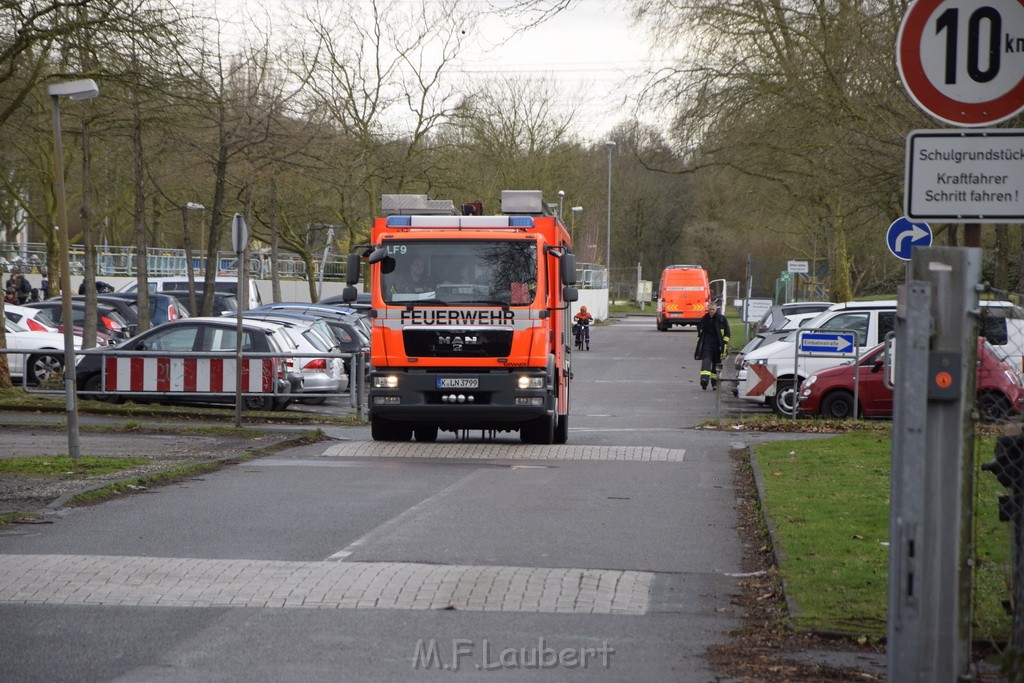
point(457, 342)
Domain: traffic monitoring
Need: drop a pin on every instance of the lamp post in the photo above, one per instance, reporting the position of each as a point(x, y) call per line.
point(572, 225)
point(187, 239)
point(84, 89)
point(610, 144)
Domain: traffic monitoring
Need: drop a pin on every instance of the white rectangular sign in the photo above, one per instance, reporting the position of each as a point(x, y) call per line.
point(754, 309)
point(965, 176)
point(798, 267)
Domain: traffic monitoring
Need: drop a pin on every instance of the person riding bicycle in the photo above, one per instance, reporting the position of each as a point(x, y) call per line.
point(583, 320)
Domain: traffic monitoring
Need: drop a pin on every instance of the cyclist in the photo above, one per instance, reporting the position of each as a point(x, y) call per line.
point(583, 320)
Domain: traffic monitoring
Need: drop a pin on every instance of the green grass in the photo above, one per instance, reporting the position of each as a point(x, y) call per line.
point(62, 465)
point(828, 503)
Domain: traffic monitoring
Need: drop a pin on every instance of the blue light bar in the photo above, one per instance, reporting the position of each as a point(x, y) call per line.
point(520, 221)
point(399, 221)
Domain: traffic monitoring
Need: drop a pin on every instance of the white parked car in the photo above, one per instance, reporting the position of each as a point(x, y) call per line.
point(45, 360)
point(31, 319)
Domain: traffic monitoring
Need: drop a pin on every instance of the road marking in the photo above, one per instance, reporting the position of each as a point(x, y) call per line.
point(190, 582)
point(448, 450)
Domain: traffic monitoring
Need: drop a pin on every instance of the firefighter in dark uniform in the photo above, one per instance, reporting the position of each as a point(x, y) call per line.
point(712, 344)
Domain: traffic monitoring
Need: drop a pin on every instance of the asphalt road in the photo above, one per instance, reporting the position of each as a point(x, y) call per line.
point(612, 558)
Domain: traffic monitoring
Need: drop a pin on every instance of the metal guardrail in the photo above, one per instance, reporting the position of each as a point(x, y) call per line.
point(356, 379)
point(160, 262)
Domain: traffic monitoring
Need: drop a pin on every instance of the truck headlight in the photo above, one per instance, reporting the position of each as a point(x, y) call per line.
point(385, 381)
point(526, 382)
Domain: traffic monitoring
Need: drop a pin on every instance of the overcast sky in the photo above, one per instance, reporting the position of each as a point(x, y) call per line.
point(591, 50)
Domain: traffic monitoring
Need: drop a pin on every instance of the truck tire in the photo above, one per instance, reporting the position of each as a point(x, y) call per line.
point(425, 433)
point(383, 429)
point(540, 430)
point(562, 430)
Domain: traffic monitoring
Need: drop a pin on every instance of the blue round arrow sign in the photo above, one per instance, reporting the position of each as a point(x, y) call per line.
point(904, 235)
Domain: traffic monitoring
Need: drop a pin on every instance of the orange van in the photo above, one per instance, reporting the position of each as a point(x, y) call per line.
point(682, 296)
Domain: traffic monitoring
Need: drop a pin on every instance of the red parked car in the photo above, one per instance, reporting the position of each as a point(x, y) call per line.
point(829, 393)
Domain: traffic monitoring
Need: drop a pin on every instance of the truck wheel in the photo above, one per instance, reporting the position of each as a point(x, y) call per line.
point(383, 429)
point(540, 430)
point(425, 433)
point(562, 430)
point(662, 327)
point(838, 405)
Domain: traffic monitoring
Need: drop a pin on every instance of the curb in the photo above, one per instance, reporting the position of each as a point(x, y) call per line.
point(217, 463)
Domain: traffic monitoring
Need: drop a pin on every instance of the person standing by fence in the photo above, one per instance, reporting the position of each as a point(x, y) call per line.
point(22, 287)
point(712, 344)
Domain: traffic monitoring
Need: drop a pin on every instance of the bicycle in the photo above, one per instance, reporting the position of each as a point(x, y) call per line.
point(580, 334)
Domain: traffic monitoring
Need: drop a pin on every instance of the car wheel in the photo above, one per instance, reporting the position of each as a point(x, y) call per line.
point(95, 383)
point(45, 368)
point(313, 401)
point(425, 433)
point(838, 405)
point(784, 401)
point(993, 406)
point(258, 402)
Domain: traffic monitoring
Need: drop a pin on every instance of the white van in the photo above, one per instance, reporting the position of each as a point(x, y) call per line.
point(224, 285)
point(770, 371)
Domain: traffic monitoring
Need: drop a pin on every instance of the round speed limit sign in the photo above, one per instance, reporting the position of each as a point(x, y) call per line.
point(962, 61)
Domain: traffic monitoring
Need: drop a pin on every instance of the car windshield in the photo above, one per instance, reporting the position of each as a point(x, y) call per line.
point(502, 272)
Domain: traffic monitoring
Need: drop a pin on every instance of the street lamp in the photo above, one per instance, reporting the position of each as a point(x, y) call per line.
point(572, 229)
point(610, 144)
point(84, 89)
point(187, 239)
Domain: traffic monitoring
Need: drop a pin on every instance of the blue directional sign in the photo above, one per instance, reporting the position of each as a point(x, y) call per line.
point(904, 235)
point(828, 342)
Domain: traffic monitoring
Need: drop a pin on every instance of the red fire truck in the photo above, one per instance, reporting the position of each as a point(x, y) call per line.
point(471, 319)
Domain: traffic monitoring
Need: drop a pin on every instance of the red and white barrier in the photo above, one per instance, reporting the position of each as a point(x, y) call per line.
point(168, 375)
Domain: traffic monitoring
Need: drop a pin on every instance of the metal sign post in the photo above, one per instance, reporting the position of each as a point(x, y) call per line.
point(930, 524)
point(239, 240)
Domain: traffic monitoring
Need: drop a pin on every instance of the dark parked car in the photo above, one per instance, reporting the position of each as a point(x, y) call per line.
point(194, 334)
point(350, 328)
point(123, 307)
point(108, 320)
point(362, 302)
point(162, 307)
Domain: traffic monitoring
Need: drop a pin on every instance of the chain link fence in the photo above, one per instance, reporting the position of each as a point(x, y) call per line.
point(998, 582)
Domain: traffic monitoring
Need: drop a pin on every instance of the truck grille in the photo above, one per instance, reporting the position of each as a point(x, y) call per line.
point(456, 343)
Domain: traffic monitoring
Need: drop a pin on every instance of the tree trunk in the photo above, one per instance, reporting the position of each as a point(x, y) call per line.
point(141, 265)
point(89, 322)
point(275, 278)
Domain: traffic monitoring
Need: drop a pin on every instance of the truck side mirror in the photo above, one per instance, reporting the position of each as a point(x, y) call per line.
point(352, 267)
point(567, 269)
point(570, 294)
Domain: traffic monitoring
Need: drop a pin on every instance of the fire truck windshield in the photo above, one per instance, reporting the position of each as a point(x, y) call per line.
point(445, 272)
